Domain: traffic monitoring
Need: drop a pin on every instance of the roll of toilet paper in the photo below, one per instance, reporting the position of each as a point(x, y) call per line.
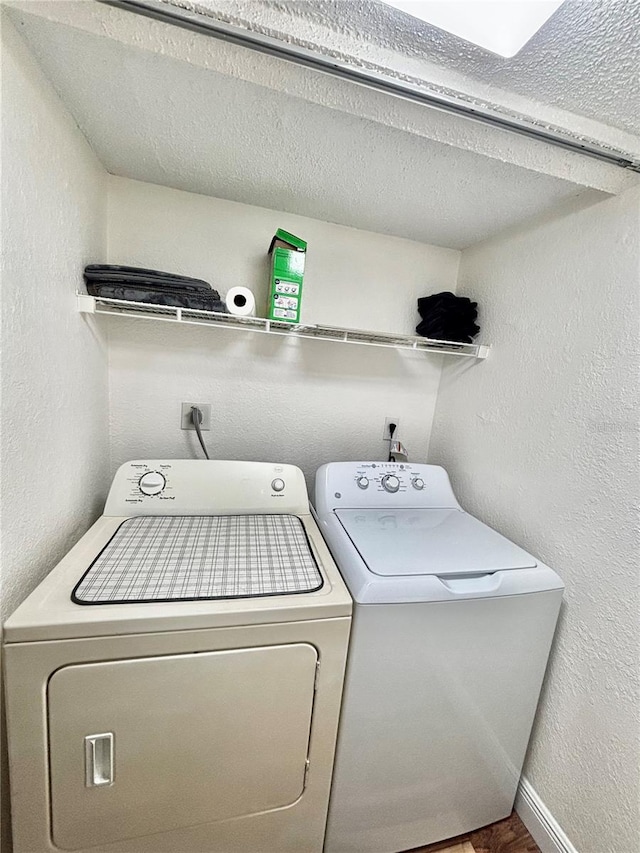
point(240, 301)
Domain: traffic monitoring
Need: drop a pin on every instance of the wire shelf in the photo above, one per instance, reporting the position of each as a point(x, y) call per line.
point(188, 316)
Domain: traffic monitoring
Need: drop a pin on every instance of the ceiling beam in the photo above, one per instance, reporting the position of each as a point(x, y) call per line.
point(298, 55)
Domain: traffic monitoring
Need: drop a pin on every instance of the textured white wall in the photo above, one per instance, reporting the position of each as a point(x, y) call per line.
point(306, 402)
point(542, 441)
point(54, 366)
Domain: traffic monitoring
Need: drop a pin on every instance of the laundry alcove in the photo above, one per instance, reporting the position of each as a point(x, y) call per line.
point(129, 140)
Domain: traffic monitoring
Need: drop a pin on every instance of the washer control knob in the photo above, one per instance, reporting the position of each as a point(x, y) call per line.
point(151, 483)
point(363, 482)
point(277, 485)
point(390, 483)
point(418, 483)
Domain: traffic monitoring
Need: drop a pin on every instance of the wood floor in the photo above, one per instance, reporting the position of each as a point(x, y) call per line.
point(506, 836)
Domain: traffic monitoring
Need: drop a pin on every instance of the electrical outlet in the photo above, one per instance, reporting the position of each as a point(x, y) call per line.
point(386, 434)
point(185, 416)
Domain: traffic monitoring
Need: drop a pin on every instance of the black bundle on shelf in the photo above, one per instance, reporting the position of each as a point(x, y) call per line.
point(447, 317)
point(135, 284)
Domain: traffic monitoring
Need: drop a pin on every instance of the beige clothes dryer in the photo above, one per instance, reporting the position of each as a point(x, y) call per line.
point(174, 684)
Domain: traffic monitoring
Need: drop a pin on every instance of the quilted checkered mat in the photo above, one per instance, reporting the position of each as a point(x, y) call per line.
point(188, 558)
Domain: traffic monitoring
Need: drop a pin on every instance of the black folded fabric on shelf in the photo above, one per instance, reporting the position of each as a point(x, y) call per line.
point(447, 317)
point(136, 284)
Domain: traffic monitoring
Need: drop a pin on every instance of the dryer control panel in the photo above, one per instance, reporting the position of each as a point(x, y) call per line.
point(206, 487)
point(382, 484)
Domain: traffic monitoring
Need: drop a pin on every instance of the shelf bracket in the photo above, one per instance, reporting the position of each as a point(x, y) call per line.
point(86, 303)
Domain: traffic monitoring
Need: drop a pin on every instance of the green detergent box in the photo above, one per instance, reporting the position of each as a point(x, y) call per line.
point(288, 254)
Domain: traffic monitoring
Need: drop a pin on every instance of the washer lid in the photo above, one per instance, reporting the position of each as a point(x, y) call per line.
point(429, 542)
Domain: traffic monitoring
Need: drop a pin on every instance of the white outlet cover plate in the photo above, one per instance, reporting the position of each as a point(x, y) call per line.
point(185, 416)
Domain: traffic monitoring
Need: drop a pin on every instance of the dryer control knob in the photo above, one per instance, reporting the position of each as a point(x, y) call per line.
point(418, 483)
point(277, 485)
point(363, 482)
point(151, 483)
point(390, 483)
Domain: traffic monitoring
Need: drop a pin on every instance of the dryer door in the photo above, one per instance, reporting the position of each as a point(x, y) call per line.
point(149, 745)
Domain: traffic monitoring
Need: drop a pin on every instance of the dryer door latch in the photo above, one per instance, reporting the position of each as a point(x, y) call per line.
point(98, 760)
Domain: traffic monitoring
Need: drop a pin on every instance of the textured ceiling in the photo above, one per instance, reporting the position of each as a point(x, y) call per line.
point(585, 60)
point(164, 121)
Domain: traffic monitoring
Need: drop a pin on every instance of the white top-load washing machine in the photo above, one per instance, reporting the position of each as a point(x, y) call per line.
point(451, 633)
point(174, 684)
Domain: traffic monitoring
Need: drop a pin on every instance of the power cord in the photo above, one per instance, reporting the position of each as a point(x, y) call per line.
point(196, 418)
point(392, 430)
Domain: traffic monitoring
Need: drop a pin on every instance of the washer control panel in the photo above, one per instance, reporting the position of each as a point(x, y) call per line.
point(389, 477)
point(382, 484)
point(206, 487)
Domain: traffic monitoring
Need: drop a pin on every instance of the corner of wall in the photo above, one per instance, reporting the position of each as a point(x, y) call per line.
point(541, 440)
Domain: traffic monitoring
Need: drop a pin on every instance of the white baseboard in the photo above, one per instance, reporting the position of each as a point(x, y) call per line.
point(546, 831)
